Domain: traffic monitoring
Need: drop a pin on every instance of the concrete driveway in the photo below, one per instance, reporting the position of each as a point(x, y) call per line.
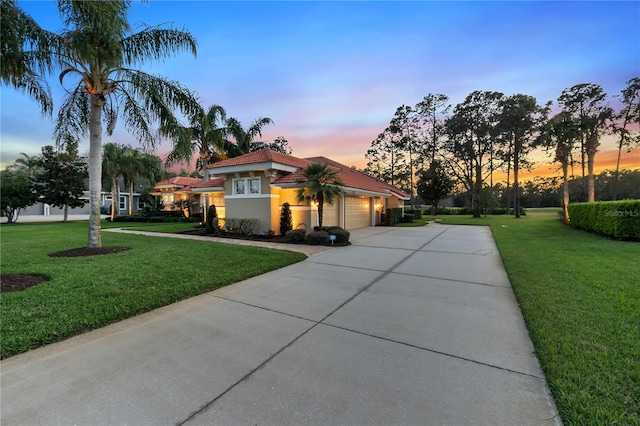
point(405, 326)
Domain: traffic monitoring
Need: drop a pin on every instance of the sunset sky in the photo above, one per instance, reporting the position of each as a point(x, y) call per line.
point(331, 74)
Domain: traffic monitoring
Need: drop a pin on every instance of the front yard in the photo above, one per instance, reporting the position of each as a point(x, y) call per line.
point(85, 293)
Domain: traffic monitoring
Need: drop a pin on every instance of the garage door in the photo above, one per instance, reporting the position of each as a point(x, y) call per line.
point(358, 212)
point(331, 213)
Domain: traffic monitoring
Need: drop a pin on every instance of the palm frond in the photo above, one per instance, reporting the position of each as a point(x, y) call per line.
point(149, 98)
point(73, 118)
point(153, 43)
point(136, 119)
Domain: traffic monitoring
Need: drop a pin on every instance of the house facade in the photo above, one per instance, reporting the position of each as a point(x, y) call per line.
point(256, 185)
point(137, 203)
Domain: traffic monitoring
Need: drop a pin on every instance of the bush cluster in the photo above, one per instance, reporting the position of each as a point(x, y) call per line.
point(408, 218)
point(417, 213)
point(153, 219)
point(342, 235)
point(241, 226)
point(393, 216)
point(296, 235)
point(319, 235)
point(465, 211)
point(619, 219)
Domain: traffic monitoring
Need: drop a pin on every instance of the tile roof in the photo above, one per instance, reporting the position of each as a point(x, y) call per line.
point(262, 156)
point(186, 184)
point(351, 178)
point(211, 183)
point(179, 181)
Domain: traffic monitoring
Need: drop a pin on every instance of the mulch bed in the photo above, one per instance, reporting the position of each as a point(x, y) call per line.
point(18, 282)
point(86, 251)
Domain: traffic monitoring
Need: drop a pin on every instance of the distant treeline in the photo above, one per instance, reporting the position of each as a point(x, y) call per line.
point(547, 191)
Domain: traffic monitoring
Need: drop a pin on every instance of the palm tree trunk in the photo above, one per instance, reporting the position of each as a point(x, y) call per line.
point(95, 172)
point(516, 160)
point(130, 198)
point(320, 209)
point(591, 158)
point(114, 197)
point(615, 182)
point(565, 190)
point(591, 149)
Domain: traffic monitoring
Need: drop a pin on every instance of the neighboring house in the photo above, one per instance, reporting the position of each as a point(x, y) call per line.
point(44, 209)
point(256, 185)
point(185, 188)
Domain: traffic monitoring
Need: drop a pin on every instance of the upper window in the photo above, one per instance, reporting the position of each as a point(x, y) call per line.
point(240, 186)
point(254, 186)
point(246, 186)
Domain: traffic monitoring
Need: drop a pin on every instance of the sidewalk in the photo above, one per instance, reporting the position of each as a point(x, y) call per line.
point(405, 326)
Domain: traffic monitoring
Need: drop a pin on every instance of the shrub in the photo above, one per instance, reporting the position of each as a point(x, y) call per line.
point(270, 233)
point(408, 218)
point(286, 223)
point(296, 235)
point(146, 219)
point(393, 216)
point(417, 213)
point(241, 226)
point(212, 220)
point(620, 219)
point(317, 237)
point(342, 236)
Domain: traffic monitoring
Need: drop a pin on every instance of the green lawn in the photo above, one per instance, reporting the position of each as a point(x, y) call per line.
point(580, 297)
point(85, 293)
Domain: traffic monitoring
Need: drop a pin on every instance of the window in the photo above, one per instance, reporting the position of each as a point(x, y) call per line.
point(254, 186)
point(140, 203)
point(239, 186)
point(123, 203)
point(246, 186)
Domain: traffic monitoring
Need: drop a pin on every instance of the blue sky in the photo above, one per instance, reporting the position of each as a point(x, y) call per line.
point(331, 74)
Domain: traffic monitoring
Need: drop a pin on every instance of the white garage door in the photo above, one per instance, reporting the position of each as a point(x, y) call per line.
point(358, 212)
point(331, 213)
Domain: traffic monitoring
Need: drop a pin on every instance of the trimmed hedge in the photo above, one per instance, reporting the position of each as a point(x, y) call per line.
point(408, 218)
point(342, 236)
point(317, 237)
point(152, 219)
point(393, 216)
point(619, 219)
point(417, 213)
point(296, 235)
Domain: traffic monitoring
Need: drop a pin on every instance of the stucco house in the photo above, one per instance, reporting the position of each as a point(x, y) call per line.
point(137, 204)
point(256, 185)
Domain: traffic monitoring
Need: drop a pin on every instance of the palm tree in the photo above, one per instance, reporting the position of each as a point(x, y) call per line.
point(137, 165)
point(113, 165)
point(22, 68)
point(321, 185)
point(244, 138)
point(26, 164)
point(98, 47)
point(205, 135)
